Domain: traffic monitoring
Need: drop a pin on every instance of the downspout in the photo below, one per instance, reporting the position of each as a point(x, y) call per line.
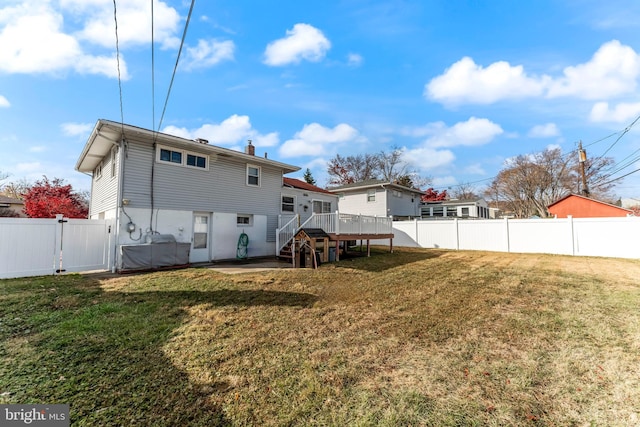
point(121, 157)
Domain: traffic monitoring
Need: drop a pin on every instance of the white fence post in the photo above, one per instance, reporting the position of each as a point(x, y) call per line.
point(573, 240)
point(58, 262)
point(506, 226)
point(455, 220)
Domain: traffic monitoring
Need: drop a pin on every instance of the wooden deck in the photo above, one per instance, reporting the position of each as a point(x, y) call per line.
point(321, 229)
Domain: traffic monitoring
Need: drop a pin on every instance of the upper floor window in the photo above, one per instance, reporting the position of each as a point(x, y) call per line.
point(371, 195)
point(114, 157)
point(182, 158)
point(253, 175)
point(98, 172)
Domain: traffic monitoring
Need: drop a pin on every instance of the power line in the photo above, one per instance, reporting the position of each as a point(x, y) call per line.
point(115, 19)
point(153, 76)
point(184, 35)
point(620, 177)
point(623, 133)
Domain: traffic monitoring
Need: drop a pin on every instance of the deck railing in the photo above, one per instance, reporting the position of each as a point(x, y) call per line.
point(340, 223)
point(286, 232)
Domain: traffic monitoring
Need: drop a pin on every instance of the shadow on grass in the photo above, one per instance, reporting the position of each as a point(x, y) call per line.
point(381, 259)
point(65, 340)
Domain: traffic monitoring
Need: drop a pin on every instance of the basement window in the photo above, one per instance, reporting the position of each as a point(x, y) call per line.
point(244, 220)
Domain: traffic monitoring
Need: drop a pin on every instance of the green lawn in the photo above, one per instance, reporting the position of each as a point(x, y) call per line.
point(417, 337)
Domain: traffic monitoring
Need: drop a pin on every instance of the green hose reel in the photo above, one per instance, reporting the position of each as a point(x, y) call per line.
point(243, 242)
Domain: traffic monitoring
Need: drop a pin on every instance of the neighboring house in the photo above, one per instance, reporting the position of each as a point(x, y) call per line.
point(11, 207)
point(475, 208)
point(633, 202)
point(156, 185)
point(303, 199)
point(583, 207)
point(378, 198)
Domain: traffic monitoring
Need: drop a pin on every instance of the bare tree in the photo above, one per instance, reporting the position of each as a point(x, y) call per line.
point(530, 183)
point(388, 166)
point(350, 169)
point(465, 192)
point(16, 189)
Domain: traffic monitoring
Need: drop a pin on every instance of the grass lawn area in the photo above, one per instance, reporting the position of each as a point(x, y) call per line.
point(417, 337)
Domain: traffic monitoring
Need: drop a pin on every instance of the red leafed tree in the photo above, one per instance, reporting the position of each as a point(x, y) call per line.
point(47, 198)
point(431, 195)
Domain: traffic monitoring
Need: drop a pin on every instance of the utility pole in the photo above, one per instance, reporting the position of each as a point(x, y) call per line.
point(582, 158)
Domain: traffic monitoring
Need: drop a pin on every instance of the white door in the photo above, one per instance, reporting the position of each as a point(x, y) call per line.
point(200, 249)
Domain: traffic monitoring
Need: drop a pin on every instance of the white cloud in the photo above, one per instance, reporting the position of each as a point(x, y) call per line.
point(76, 129)
point(621, 113)
point(209, 53)
point(38, 149)
point(134, 25)
point(32, 41)
point(425, 158)
point(303, 42)
point(612, 71)
point(4, 102)
point(466, 82)
point(354, 60)
point(313, 139)
point(470, 133)
point(233, 130)
point(546, 130)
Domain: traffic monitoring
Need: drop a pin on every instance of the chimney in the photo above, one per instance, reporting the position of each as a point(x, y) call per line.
point(250, 149)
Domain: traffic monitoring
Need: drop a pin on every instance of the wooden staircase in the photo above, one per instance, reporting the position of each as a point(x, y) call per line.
point(286, 253)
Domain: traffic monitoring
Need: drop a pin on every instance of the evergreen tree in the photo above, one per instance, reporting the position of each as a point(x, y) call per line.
point(308, 177)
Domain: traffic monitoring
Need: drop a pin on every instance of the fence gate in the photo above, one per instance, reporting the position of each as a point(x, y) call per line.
point(33, 247)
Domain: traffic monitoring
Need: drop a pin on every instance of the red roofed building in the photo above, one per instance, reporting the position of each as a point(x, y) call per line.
point(301, 198)
point(584, 207)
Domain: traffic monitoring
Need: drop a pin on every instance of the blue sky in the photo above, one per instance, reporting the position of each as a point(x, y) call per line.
point(461, 86)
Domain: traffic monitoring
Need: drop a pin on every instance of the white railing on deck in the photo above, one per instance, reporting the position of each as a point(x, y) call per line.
point(285, 233)
point(337, 223)
point(325, 221)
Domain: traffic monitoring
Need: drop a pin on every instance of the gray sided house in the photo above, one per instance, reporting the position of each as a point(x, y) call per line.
point(303, 199)
point(379, 198)
point(159, 187)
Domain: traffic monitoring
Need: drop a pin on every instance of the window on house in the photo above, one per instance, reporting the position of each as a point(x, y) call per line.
point(438, 211)
point(321, 207)
point(171, 156)
point(196, 161)
point(288, 204)
point(253, 175)
point(244, 219)
point(464, 211)
point(182, 158)
point(451, 211)
point(114, 157)
point(98, 172)
point(371, 195)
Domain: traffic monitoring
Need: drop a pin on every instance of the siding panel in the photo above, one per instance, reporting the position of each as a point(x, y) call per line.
point(222, 188)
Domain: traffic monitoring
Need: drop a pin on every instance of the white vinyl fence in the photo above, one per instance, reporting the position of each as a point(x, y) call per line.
point(33, 247)
point(605, 237)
